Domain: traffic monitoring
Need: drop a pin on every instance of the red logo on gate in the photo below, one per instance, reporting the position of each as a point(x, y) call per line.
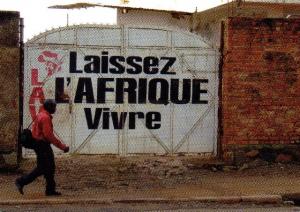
point(52, 63)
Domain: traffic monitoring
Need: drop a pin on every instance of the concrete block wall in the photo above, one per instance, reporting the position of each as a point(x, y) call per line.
point(9, 87)
point(260, 83)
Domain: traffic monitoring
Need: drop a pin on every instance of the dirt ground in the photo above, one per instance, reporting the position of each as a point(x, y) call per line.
point(154, 177)
point(179, 207)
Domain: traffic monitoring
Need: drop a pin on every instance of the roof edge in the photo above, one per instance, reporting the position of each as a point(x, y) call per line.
point(127, 7)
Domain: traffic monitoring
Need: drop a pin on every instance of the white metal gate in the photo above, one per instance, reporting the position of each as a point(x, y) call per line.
point(159, 78)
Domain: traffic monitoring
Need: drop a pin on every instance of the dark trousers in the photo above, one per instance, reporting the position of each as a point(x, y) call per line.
point(45, 166)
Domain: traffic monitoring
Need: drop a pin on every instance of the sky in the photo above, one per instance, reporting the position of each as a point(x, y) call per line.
point(38, 17)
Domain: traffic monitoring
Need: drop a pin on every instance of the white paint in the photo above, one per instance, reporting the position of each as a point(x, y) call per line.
point(189, 128)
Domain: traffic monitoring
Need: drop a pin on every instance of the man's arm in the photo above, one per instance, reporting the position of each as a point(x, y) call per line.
point(48, 134)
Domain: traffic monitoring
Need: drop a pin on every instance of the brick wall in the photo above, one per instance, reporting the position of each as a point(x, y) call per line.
point(260, 83)
point(9, 86)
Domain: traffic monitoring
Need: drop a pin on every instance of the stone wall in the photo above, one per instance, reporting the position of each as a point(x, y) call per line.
point(9, 87)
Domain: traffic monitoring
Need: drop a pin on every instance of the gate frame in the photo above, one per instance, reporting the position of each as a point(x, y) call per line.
point(220, 94)
point(217, 151)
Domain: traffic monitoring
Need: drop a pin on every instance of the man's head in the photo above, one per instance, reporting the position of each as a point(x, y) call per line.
point(50, 105)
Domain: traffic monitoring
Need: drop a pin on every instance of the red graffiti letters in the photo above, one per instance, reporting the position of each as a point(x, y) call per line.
point(52, 65)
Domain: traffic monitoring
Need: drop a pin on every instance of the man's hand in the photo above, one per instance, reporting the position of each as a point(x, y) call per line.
point(66, 149)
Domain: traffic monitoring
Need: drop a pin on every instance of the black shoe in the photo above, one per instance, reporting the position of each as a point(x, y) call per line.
point(19, 186)
point(53, 193)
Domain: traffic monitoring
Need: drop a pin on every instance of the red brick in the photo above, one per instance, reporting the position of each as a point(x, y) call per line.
point(261, 82)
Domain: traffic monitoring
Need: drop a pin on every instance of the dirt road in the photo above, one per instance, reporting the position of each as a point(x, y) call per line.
point(110, 177)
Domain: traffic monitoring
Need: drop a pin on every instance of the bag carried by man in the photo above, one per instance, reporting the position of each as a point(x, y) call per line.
point(26, 139)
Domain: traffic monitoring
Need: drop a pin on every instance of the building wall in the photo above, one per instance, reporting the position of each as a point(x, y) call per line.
point(9, 87)
point(154, 19)
point(260, 83)
point(207, 23)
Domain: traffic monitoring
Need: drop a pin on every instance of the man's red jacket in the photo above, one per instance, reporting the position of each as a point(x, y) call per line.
point(42, 129)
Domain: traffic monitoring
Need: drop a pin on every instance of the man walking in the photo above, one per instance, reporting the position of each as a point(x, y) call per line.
point(42, 132)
